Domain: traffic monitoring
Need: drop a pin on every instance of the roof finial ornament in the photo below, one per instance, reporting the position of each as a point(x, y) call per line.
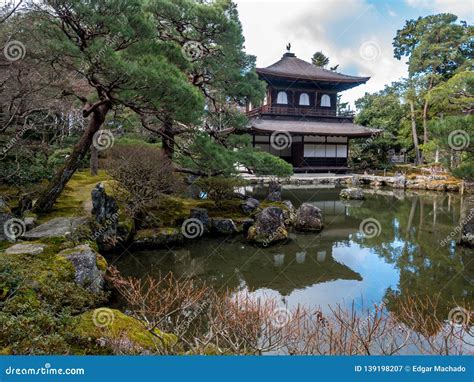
point(288, 47)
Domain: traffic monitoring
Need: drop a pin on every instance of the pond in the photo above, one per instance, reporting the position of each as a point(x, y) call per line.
point(403, 255)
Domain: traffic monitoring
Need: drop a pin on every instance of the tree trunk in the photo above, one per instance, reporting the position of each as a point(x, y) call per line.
point(94, 161)
point(414, 132)
point(168, 138)
point(425, 114)
point(48, 198)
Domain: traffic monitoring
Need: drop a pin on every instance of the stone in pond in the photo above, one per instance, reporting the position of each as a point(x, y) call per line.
point(224, 226)
point(352, 193)
point(269, 227)
point(309, 218)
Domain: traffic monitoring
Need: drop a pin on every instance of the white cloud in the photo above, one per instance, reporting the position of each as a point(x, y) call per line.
point(461, 8)
point(352, 33)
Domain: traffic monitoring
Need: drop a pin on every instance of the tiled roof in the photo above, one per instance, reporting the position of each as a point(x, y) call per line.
point(348, 129)
point(290, 66)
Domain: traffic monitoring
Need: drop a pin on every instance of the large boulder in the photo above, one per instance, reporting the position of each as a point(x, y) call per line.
point(467, 235)
point(289, 214)
point(269, 227)
point(57, 227)
point(309, 218)
point(274, 191)
point(89, 267)
point(201, 215)
point(250, 205)
point(107, 230)
point(352, 193)
point(224, 226)
point(104, 331)
point(104, 207)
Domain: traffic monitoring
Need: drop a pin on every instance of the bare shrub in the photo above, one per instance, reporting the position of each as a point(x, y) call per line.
point(143, 175)
point(206, 321)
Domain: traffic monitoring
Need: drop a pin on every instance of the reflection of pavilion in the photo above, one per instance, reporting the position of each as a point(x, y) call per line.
point(283, 269)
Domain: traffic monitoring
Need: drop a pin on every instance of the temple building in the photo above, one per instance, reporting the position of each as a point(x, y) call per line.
point(298, 120)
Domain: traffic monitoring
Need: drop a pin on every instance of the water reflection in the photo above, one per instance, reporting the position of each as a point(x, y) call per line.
point(339, 265)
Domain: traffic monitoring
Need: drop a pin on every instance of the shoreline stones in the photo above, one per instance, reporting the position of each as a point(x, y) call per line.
point(352, 193)
point(224, 226)
point(250, 205)
point(309, 218)
point(269, 227)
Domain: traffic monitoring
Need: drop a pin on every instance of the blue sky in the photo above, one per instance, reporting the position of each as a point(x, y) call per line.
point(356, 34)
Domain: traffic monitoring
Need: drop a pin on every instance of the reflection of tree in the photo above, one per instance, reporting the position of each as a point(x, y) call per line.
point(411, 239)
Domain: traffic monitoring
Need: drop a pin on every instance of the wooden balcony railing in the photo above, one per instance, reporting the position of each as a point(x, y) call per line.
point(297, 111)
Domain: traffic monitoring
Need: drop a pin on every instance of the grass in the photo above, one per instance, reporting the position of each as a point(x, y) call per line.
point(76, 195)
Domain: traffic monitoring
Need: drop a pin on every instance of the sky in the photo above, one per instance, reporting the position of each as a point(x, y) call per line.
point(356, 34)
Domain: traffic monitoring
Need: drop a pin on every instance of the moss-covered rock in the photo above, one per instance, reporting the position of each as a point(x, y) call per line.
point(269, 227)
point(111, 331)
point(157, 237)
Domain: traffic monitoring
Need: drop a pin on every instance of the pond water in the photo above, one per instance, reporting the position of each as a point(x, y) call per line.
point(340, 265)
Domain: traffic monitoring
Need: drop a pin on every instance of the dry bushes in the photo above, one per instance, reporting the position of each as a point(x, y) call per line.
point(208, 322)
point(143, 174)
